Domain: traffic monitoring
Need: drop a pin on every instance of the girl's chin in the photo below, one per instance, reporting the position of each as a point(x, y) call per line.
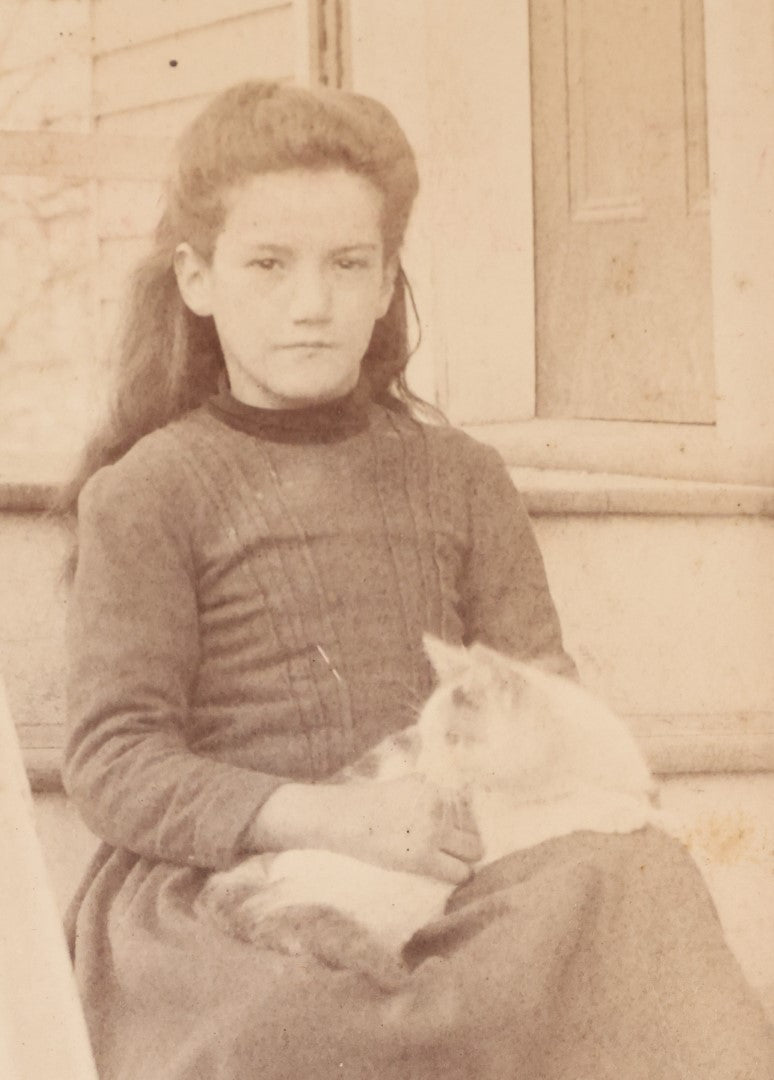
point(313, 391)
point(295, 398)
point(295, 384)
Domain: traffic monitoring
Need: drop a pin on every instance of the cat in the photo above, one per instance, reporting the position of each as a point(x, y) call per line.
point(530, 754)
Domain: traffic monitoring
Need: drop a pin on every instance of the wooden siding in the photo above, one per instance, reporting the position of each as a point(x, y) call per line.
point(154, 121)
point(117, 24)
point(199, 61)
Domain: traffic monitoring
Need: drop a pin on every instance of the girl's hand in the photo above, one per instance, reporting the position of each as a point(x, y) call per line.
point(400, 824)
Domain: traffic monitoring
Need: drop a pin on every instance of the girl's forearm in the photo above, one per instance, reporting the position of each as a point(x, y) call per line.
point(397, 824)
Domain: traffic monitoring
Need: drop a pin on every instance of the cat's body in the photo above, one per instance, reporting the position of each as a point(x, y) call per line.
point(533, 755)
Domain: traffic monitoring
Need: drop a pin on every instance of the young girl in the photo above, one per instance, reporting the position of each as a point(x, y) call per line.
point(265, 531)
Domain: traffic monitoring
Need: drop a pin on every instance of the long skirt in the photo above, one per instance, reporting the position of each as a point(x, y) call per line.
point(585, 958)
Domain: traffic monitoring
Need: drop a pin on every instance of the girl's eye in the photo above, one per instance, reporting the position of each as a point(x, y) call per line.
point(351, 264)
point(265, 264)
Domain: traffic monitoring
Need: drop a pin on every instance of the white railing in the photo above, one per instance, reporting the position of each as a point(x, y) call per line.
point(42, 1029)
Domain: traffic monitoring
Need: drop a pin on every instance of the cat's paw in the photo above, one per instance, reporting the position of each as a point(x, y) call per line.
point(225, 895)
point(279, 916)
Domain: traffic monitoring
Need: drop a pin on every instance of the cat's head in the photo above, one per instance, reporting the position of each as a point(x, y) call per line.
point(499, 723)
point(488, 722)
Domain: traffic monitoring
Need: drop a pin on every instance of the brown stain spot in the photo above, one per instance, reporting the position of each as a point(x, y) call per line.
point(623, 272)
point(724, 838)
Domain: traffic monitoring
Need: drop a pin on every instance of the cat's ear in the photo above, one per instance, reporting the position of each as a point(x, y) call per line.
point(499, 663)
point(448, 660)
point(488, 655)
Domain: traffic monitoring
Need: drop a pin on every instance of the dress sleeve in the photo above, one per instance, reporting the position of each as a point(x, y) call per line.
point(133, 651)
point(506, 598)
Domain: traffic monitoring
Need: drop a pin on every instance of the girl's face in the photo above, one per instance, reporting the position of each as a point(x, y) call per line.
point(296, 282)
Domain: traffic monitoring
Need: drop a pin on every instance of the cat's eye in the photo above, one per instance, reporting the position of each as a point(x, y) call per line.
point(453, 738)
point(461, 699)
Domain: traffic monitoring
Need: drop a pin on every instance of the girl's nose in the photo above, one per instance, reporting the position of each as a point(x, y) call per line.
point(311, 297)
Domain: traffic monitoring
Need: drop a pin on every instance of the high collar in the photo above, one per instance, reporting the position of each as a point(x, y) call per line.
point(329, 421)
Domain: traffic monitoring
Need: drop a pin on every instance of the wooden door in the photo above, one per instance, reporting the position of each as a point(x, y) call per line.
point(623, 297)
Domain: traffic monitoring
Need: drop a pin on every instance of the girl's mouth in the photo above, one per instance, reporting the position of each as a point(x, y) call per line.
point(308, 345)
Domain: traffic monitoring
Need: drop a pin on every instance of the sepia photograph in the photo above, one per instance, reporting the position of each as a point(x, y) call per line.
point(387, 539)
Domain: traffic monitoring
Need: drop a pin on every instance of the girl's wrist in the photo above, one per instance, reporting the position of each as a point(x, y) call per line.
point(294, 816)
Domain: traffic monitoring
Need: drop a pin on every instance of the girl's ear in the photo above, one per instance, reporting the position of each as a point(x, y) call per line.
point(193, 279)
point(389, 276)
point(448, 660)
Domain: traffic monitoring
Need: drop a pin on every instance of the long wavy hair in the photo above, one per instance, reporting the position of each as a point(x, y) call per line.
point(169, 360)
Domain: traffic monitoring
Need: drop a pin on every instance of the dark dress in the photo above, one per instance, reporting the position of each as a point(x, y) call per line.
point(251, 592)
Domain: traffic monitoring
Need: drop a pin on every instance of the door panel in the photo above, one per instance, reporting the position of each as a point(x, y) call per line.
point(624, 319)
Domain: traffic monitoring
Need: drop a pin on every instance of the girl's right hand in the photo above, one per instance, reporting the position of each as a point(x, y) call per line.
point(402, 824)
